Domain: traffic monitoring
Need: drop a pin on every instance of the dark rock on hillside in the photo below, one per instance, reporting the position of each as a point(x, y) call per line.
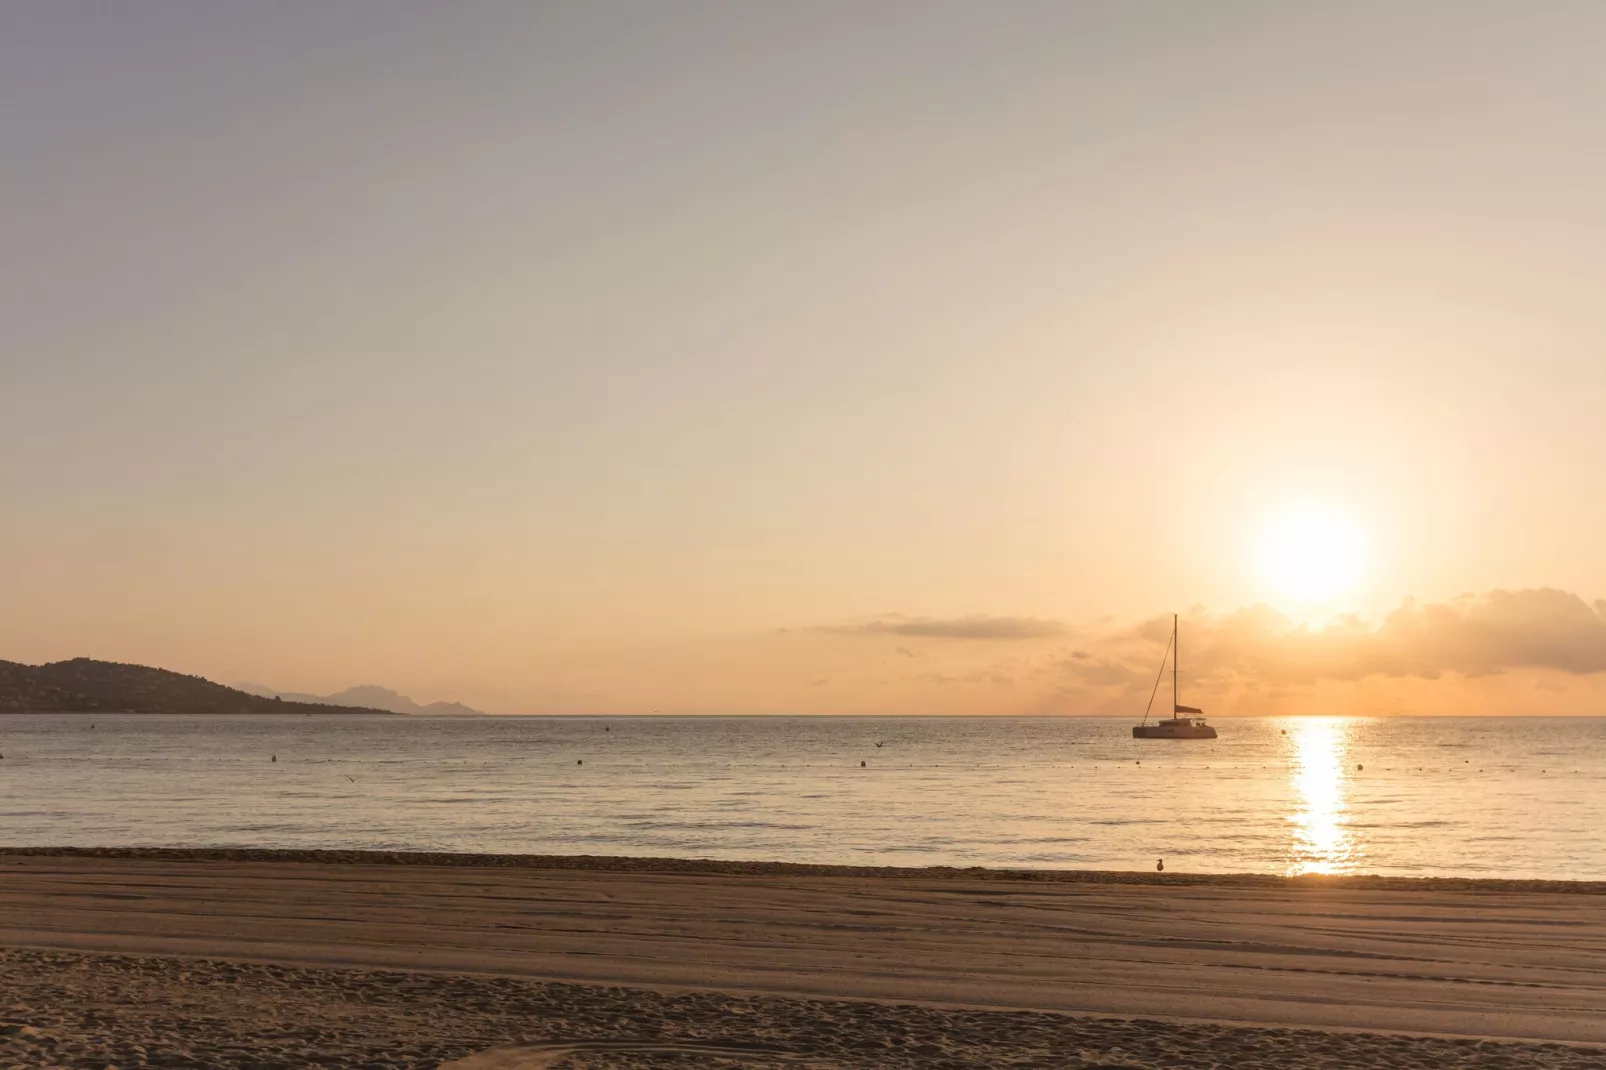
point(84, 685)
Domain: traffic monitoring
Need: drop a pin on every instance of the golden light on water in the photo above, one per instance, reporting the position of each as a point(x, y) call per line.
point(1322, 841)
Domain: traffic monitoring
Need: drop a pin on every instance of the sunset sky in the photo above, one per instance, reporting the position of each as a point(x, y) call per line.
point(817, 358)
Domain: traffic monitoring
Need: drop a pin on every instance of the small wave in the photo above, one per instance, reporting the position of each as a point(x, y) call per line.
point(1402, 825)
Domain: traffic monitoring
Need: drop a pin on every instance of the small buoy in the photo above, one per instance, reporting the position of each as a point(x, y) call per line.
point(605, 728)
point(1159, 867)
point(579, 761)
point(861, 765)
point(1285, 731)
point(1359, 767)
point(274, 758)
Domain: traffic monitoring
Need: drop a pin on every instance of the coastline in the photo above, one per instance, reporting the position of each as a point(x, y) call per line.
point(727, 867)
point(292, 709)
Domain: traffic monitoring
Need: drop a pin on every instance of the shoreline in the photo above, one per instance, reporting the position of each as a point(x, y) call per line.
point(669, 866)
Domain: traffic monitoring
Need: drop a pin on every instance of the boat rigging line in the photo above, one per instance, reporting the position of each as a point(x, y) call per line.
point(1159, 675)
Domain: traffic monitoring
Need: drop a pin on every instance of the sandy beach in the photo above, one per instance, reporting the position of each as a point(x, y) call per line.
point(203, 959)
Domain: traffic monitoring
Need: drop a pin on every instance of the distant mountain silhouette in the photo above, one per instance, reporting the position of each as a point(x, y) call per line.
point(371, 696)
point(84, 685)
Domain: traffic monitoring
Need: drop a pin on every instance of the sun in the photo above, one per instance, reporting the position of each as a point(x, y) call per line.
point(1312, 552)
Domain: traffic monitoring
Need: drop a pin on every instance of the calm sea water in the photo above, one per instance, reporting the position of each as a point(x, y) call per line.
point(1517, 797)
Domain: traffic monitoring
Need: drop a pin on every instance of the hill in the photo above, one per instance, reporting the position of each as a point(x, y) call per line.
point(371, 696)
point(84, 685)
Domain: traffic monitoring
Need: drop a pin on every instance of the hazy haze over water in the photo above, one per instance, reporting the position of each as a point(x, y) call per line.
point(1507, 797)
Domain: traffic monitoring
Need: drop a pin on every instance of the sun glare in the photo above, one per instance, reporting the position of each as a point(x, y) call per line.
point(1312, 553)
point(1322, 841)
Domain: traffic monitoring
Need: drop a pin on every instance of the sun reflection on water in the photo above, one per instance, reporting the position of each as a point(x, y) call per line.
point(1322, 841)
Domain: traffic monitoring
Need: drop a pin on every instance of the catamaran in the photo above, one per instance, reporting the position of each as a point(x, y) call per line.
point(1185, 722)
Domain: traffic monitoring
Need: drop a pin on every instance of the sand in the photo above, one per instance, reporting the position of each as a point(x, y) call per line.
point(84, 1010)
point(193, 960)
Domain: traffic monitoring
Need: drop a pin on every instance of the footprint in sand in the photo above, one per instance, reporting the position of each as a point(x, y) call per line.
point(538, 1056)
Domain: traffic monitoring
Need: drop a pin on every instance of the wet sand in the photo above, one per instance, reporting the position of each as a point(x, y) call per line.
point(209, 958)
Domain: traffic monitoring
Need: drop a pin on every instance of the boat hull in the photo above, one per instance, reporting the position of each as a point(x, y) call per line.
point(1166, 731)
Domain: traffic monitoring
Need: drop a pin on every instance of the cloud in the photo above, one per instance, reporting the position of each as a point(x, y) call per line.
point(1503, 651)
point(1472, 636)
point(1105, 672)
point(974, 627)
point(994, 677)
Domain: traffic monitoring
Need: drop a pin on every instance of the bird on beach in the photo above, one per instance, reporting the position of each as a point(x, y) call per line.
point(1159, 867)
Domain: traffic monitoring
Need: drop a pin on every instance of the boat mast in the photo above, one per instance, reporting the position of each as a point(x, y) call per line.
point(1176, 655)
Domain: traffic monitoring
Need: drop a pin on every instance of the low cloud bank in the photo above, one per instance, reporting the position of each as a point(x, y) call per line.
point(1244, 659)
point(1476, 635)
point(976, 627)
point(1255, 654)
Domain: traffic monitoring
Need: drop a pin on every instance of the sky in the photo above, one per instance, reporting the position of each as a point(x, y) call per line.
point(895, 357)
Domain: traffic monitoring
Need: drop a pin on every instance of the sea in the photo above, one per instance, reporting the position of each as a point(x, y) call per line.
point(1477, 797)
